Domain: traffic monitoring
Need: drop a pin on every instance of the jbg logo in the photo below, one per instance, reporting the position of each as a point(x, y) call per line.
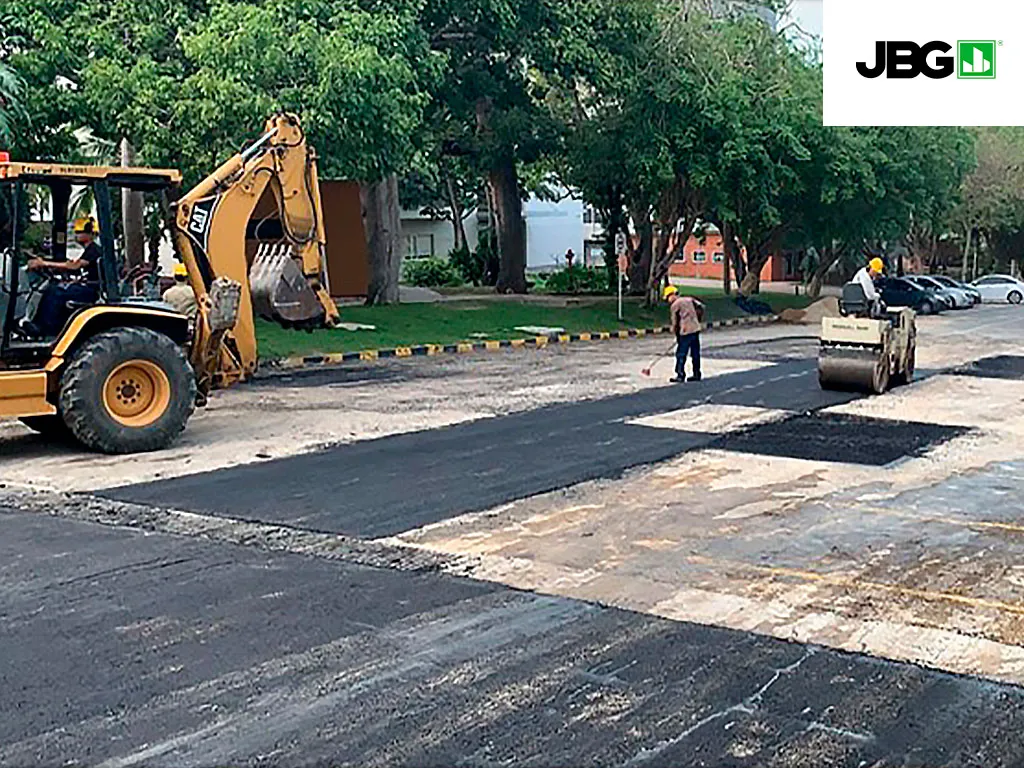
point(907, 60)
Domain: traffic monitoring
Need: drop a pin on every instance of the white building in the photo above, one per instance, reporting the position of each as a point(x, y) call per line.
point(427, 237)
point(552, 229)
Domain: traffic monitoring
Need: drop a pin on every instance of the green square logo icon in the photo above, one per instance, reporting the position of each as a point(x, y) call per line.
point(977, 59)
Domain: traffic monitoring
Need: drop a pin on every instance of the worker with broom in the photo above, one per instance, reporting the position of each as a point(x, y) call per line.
point(687, 317)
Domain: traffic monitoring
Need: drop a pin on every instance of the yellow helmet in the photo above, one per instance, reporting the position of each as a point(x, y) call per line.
point(876, 265)
point(669, 292)
point(180, 270)
point(86, 226)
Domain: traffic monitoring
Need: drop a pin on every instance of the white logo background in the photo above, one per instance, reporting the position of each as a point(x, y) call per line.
point(851, 28)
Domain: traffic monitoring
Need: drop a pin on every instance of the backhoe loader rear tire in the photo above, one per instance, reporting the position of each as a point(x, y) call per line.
point(128, 390)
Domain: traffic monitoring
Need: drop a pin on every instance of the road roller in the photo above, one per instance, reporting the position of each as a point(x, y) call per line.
point(869, 348)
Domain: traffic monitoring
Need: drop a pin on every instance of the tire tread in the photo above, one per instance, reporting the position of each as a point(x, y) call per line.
point(78, 407)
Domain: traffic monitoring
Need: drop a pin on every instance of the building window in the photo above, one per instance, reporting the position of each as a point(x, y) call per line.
point(718, 258)
point(700, 257)
point(419, 246)
point(592, 216)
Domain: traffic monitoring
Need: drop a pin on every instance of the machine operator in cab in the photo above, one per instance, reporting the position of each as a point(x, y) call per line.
point(866, 278)
point(81, 283)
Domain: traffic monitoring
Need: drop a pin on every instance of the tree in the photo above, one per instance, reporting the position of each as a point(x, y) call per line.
point(186, 83)
point(991, 207)
point(441, 188)
point(711, 122)
point(355, 78)
point(10, 101)
point(506, 63)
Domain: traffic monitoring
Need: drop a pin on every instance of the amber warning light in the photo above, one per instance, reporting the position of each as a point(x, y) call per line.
point(5, 157)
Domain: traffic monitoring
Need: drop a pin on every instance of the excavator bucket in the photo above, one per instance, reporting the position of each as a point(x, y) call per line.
point(280, 292)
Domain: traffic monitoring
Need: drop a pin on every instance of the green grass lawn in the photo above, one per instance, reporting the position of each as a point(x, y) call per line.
point(408, 325)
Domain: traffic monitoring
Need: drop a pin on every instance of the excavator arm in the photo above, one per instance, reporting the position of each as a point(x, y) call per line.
point(286, 281)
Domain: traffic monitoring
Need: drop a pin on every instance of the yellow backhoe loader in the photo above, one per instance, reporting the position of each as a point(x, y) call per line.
point(125, 371)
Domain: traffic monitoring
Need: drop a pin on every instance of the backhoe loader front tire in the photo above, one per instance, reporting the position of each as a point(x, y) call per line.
point(128, 390)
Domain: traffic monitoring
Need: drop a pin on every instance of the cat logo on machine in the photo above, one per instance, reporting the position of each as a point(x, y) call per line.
point(200, 219)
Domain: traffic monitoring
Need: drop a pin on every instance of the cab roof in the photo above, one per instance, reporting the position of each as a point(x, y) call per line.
point(117, 176)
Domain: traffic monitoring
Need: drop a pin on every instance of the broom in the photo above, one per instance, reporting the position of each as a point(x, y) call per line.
point(647, 371)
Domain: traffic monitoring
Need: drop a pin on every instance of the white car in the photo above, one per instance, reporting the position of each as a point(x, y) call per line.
point(1000, 289)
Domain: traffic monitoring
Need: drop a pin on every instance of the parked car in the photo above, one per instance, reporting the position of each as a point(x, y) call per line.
point(1000, 289)
point(959, 298)
point(970, 290)
point(900, 292)
point(940, 296)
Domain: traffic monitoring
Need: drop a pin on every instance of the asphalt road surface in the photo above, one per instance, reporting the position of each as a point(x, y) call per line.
point(180, 626)
point(122, 649)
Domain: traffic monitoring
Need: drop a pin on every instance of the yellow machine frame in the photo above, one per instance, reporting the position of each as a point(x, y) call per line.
point(210, 235)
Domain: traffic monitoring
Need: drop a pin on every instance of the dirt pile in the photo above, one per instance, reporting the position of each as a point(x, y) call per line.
point(827, 307)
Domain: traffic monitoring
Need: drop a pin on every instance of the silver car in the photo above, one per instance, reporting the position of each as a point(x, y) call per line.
point(961, 299)
point(1000, 289)
point(939, 292)
point(970, 290)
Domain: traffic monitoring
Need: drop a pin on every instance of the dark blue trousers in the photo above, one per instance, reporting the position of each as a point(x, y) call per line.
point(53, 311)
point(688, 344)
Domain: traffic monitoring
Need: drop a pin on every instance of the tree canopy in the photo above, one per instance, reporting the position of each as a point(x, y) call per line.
point(665, 114)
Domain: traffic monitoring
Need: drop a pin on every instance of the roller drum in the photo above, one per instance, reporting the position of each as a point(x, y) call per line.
point(856, 370)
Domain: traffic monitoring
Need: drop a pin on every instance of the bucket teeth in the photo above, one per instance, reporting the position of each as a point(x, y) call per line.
point(280, 292)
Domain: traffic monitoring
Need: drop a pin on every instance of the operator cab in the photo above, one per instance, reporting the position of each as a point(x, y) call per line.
point(39, 203)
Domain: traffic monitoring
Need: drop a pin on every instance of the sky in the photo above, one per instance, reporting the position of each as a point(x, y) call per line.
point(807, 15)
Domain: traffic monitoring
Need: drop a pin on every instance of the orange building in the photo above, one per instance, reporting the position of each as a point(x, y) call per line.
point(704, 257)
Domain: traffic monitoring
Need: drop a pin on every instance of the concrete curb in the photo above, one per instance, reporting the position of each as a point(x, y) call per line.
point(538, 342)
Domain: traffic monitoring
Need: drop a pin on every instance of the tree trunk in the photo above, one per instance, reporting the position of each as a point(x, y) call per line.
point(751, 284)
point(661, 260)
point(731, 257)
point(967, 253)
point(641, 255)
point(757, 257)
point(974, 267)
point(383, 225)
point(665, 257)
point(828, 260)
point(458, 215)
point(511, 229)
point(726, 273)
point(132, 215)
point(155, 236)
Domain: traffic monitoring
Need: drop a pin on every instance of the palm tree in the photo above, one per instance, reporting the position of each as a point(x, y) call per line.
point(96, 151)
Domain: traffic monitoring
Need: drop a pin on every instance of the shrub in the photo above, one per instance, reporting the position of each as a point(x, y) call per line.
point(578, 280)
point(471, 266)
point(431, 273)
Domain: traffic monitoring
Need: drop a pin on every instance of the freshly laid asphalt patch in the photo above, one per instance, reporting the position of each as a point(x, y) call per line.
point(161, 650)
point(383, 487)
point(1000, 367)
point(839, 438)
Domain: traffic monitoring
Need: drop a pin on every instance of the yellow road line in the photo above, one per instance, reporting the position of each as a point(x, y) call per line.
point(962, 522)
point(851, 582)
